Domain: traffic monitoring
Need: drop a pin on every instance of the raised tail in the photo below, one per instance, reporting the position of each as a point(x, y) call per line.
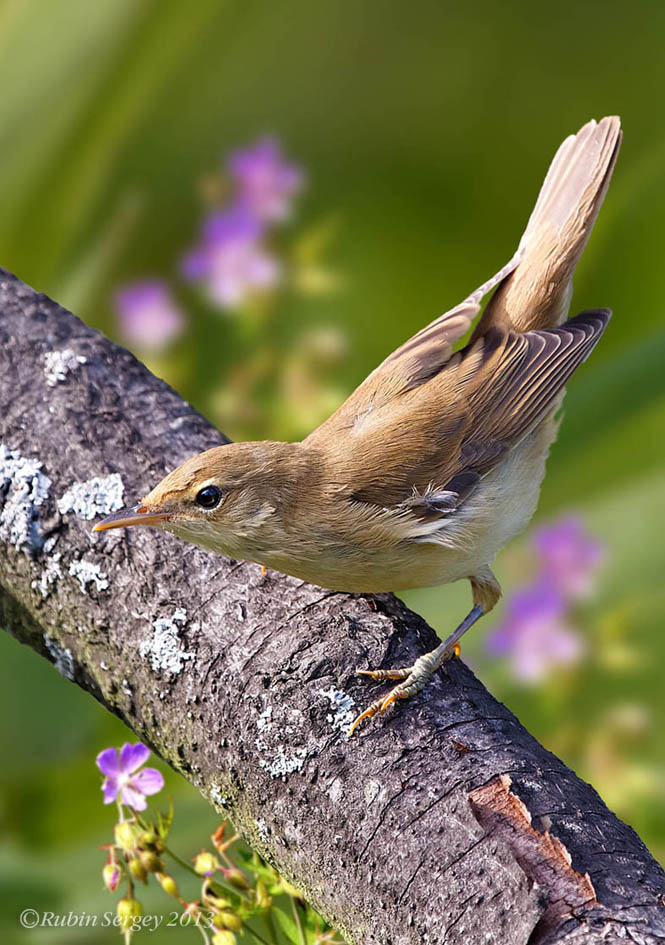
point(537, 294)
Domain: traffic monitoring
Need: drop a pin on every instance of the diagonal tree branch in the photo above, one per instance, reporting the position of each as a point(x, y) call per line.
point(446, 822)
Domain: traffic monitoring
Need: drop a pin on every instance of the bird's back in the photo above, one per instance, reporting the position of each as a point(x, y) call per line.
point(451, 445)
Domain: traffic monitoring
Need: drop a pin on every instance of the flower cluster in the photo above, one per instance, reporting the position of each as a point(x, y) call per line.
point(232, 260)
point(537, 633)
point(230, 899)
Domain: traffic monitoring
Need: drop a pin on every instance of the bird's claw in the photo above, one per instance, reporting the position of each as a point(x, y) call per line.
point(384, 673)
point(408, 687)
point(369, 713)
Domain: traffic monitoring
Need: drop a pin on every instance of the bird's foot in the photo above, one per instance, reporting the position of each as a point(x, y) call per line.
point(414, 678)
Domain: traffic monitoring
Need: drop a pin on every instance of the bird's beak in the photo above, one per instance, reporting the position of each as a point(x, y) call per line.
point(137, 515)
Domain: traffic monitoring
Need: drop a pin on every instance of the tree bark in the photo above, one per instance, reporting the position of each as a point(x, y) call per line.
point(445, 821)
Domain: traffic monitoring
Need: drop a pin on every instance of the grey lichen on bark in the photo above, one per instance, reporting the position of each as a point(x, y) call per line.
point(446, 821)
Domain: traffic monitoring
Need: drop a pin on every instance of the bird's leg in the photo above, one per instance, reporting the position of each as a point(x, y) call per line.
point(486, 591)
point(417, 676)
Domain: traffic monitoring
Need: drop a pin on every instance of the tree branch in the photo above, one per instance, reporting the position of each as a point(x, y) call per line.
point(446, 820)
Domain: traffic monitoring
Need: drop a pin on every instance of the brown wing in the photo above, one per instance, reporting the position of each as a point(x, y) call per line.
point(414, 363)
point(518, 380)
point(438, 440)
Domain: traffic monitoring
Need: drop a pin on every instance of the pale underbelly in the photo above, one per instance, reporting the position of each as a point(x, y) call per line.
point(500, 508)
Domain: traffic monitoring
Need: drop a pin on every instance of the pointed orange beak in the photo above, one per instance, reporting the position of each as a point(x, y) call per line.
point(137, 515)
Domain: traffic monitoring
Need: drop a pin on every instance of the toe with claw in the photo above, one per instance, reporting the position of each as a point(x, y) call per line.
point(414, 678)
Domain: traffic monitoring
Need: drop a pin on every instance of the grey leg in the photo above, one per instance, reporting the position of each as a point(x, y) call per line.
point(417, 676)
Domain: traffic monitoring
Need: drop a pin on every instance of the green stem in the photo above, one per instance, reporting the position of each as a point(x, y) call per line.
point(190, 869)
point(183, 863)
point(301, 931)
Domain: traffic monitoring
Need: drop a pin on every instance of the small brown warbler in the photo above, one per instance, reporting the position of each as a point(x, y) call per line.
point(436, 460)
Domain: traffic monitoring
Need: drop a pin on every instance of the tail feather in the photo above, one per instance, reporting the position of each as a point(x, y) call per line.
point(537, 294)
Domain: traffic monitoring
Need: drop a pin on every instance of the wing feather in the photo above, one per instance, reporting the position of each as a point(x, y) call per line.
point(417, 361)
point(456, 428)
point(530, 373)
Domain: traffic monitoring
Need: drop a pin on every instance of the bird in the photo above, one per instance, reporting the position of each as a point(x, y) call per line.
point(435, 462)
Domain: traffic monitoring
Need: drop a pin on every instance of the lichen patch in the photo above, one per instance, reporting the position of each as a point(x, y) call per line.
point(284, 761)
point(49, 576)
point(342, 707)
point(217, 796)
point(58, 364)
point(23, 488)
point(88, 573)
point(278, 759)
point(165, 650)
point(62, 657)
point(100, 495)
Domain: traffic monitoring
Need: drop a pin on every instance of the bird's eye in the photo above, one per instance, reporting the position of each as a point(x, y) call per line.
point(209, 497)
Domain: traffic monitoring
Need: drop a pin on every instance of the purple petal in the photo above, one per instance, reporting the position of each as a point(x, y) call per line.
point(108, 762)
point(570, 556)
point(237, 224)
point(195, 265)
point(535, 637)
point(265, 181)
point(133, 756)
point(535, 602)
point(500, 640)
point(148, 315)
point(133, 798)
point(110, 789)
point(148, 781)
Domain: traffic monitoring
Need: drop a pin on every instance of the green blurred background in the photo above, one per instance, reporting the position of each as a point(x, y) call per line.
point(425, 129)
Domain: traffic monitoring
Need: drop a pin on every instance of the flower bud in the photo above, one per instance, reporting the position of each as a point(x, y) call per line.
point(127, 909)
point(224, 938)
point(237, 878)
point(148, 838)
point(111, 876)
point(137, 869)
point(262, 898)
point(150, 861)
point(213, 895)
point(205, 862)
point(126, 835)
point(168, 884)
point(230, 920)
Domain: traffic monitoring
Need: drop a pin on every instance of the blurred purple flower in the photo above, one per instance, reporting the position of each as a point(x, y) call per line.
point(265, 182)
point(535, 636)
point(230, 259)
point(569, 556)
point(122, 775)
point(148, 315)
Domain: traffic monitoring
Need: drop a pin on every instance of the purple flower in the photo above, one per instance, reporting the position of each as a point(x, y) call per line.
point(265, 182)
point(569, 556)
point(230, 259)
point(148, 315)
point(535, 635)
point(122, 775)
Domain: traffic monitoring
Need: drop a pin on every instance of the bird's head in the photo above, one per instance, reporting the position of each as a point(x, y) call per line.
point(223, 500)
